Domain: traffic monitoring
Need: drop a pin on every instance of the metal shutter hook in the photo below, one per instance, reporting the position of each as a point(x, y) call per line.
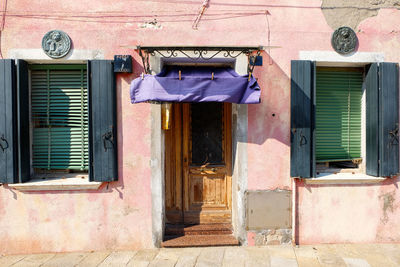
point(4, 140)
point(303, 139)
point(394, 135)
point(108, 136)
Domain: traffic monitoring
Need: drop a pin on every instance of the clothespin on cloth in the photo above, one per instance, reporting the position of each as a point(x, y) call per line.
point(212, 75)
point(180, 75)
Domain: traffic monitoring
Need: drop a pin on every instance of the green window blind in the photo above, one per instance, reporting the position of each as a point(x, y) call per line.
point(338, 114)
point(59, 117)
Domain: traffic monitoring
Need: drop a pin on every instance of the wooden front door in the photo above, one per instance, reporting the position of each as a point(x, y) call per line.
point(198, 164)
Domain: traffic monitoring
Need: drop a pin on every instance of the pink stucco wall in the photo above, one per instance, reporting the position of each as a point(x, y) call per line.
point(118, 215)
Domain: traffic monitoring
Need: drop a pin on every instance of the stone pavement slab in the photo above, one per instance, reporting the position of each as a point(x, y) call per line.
point(306, 256)
point(352, 262)
point(235, 256)
point(94, 259)
point(143, 258)
point(189, 257)
point(211, 257)
point(11, 259)
point(348, 255)
point(257, 256)
point(118, 258)
point(391, 251)
point(166, 257)
point(282, 256)
point(65, 259)
point(34, 260)
point(372, 253)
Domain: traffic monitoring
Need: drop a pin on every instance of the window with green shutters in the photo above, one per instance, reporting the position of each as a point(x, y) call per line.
point(338, 114)
point(59, 110)
point(326, 125)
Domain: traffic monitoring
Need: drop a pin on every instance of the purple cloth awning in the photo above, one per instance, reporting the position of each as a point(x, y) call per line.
point(196, 85)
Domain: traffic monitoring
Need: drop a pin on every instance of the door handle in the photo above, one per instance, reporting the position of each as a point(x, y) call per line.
point(208, 170)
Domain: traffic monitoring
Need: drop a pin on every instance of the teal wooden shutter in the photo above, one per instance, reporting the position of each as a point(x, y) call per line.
point(103, 122)
point(8, 127)
point(24, 152)
point(372, 120)
point(382, 120)
point(338, 114)
point(302, 156)
point(389, 118)
point(60, 117)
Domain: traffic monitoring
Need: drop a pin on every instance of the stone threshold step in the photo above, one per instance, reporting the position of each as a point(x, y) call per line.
point(200, 229)
point(199, 241)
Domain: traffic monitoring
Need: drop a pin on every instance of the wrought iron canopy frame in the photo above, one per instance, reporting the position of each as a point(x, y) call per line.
point(198, 52)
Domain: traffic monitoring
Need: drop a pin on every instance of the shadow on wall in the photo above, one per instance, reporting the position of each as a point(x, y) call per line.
point(270, 118)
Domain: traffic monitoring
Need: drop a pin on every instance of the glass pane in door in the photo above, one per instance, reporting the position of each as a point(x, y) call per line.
point(207, 133)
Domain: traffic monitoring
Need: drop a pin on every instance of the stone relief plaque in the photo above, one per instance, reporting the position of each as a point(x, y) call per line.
point(344, 40)
point(56, 44)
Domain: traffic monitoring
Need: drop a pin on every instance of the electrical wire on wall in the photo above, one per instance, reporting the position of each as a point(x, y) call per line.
point(269, 37)
point(197, 20)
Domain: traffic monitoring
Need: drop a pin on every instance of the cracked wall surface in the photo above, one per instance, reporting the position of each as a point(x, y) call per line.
point(352, 12)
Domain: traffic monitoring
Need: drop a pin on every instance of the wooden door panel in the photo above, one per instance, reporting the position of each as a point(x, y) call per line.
point(207, 191)
point(207, 172)
point(173, 168)
point(198, 190)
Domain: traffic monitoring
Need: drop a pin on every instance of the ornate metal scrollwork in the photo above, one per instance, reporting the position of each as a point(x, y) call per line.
point(204, 53)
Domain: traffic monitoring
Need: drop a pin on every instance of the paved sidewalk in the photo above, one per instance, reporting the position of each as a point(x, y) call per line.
point(381, 255)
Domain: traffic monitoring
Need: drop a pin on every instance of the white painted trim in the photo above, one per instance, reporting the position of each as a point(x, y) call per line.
point(58, 184)
point(38, 56)
point(157, 176)
point(240, 171)
point(344, 178)
point(329, 58)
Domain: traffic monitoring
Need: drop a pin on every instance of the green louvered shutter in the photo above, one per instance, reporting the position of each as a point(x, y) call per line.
point(59, 117)
point(338, 114)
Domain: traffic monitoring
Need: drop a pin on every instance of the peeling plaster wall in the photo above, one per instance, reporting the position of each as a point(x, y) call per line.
point(352, 12)
point(118, 215)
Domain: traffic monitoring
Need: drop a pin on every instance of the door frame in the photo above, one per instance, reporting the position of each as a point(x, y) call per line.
point(239, 156)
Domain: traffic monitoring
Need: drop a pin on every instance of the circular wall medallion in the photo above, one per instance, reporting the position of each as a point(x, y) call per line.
point(344, 40)
point(56, 44)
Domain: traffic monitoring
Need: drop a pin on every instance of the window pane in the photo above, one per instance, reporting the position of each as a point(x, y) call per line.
point(59, 117)
point(207, 133)
point(338, 114)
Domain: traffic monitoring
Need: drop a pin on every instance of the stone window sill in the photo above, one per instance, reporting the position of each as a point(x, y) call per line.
point(66, 182)
point(344, 178)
